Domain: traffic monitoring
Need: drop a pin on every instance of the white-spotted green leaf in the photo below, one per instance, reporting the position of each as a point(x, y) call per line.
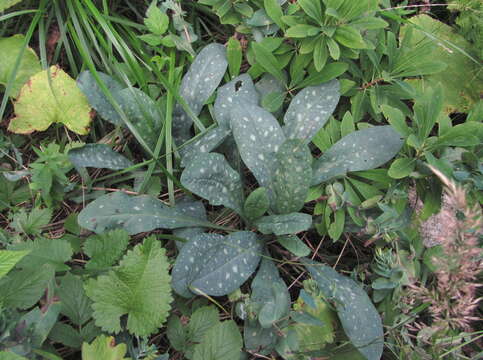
point(239, 89)
point(135, 214)
point(310, 109)
point(195, 209)
point(258, 136)
point(211, 177)
point(291, 177)
point(207, 142)
point(284, 224)
point(88, 85)
point(216, 265)
point(99, 156)
point(357, 314)
point(293, 244)
point(256, 204)
point(361, 150)
point(257, 338)
point(8, 259)
point(199, 83)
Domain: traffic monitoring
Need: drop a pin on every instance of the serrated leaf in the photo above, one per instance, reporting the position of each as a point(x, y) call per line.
point(135, 214)
point(105, 249)
point(291, 177)
point(88, 85)
point(54, 252)
point(256, 204)
point(66, 335)
point(222, 342)
point(358, 316)
point(258, 136)
point(284, 224)
point(209, 141)
point(98, 156)
point(11, 48)
point(293, 244)
point(8, 259)
point(361, 150)
point(139, 287)
point(75, 304)
point(156, 21)
point(240, 89)
point(310, 109)
point(211, 177)
point(214, 264)
point(104, 347)
point(51, 96)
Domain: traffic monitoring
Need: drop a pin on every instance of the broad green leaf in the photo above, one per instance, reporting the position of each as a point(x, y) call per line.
point(135, 214)
point(258, 136)
point(54, 252)
point(256, 204)
point(104, 347)
point(40, 322)
point(350, 37)
point(329, 72)
point(194, 209)
point(65, 334)
point(369, 23)
point(99, 156)
point(234, 55)
point(359, 318)
point(293, 244)
point(274, 11)
point(268, 61)
point(401, 168)
point(302, 31)
point(11, 48)
point(269, 84)
point(273, 101)
point(139, 288)
point(211, 177)
point(284, 224)
point(75, 304)
point(310, 109)
point(361, 150)
point(312, 9)
point(105, 249)
point(8, 259)
point(396, 118)
point(467, 134)
point(51, 96)
point(216, 265)
point(209, 141)
point(222, 342)
point(291, 177)
point(156, 20)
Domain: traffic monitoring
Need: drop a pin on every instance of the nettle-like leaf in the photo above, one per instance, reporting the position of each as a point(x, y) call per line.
point(51, 96)
point(105, 249)
point(99, 156)
point(75, 303)
point(88, 85)
point(28, 66)
point(258, 136)
point(361, 150)
point(291, 177)
point(211, 177)
point(138, 287)
point(216, 265)
point(357, 314)
point(221, 342)
point(135, 214)
point(240, 89)
point(199, 83)
point(104, 347)
point(256, 204)
point(284, 224)
point(209, 141)
point(310, 109)
point(8, 259)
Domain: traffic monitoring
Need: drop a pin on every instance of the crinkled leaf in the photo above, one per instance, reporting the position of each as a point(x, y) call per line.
point(222, 342)
point(211, 177)
point(75, 303)
point(284, 224)
point(256, 204)
point(134, 214)
point(29, 64)
point(214, 264)
point(258, 136)
point(42, 102)
point(105, 249)
point(310, 109)
point(138, 287)
point(209, 141)
point(291, 177)
point(98, 156)
point(361, 150)
point(8, 259)
point(358, 316)
point(293, 244)
point(104, 347)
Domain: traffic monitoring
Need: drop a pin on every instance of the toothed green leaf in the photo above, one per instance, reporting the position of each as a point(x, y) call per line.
point(98, 156)
point(209, 141)
point(8, 259)
point(105, 249)
point(284, 224)
point(221, 342)
point(74, 302)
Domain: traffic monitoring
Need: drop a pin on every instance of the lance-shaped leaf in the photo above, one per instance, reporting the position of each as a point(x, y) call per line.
point(291, 177)
point(284, 224)
point(195, 209)
point(51, 96)
point(293, 244)
point(240, 89)
point(216, 265)
point(361, 150)
point(358, 316)
point(99, 156)
point(211, 177)
point(310, 109)
point(88, 85)
point(135, 214)
point(258, 136)
point(199, 83)
point(209, 141)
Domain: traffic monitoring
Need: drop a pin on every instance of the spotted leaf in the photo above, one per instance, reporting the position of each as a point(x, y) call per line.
point(358, 316)
point(209, 141)
point(194, 209)
point(216, 265)
point(98, 156)
point(211, 177)
point(310, 109)
point(361, 150)
point(284, 224)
